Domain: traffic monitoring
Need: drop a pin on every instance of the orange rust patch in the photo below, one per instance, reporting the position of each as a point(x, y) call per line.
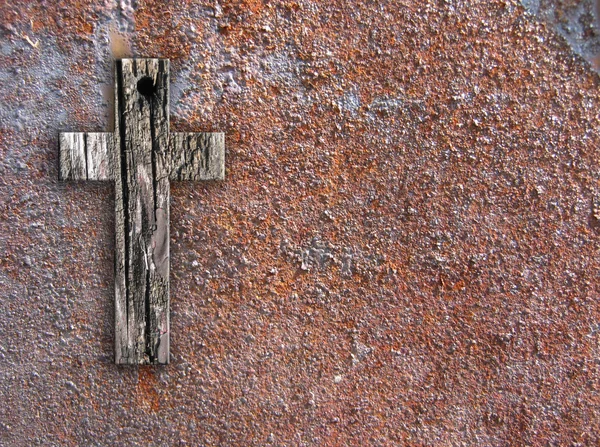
point(147, 385)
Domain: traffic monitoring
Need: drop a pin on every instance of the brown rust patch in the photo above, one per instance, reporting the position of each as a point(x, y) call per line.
point(147, 385)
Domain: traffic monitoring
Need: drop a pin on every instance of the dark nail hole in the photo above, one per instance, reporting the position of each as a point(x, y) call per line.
point(146, 86)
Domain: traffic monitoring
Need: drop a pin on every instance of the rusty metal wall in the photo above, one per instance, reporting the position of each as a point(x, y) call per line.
point(405, 250)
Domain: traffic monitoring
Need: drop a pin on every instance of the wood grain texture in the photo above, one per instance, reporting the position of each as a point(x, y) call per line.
point(99, 146)
point(142, 213)
point(141, 157)
point(85, 155)
point(197, 156)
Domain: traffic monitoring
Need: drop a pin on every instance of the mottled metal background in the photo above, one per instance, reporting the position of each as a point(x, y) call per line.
point(405, 250)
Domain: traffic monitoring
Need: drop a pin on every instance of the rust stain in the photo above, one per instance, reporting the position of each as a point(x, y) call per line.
point(147, 385)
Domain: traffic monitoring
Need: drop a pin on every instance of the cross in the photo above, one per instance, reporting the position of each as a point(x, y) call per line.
point(141, 156)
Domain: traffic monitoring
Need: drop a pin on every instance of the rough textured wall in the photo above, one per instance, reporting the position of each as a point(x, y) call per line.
point(405, 250)
point(577, 21)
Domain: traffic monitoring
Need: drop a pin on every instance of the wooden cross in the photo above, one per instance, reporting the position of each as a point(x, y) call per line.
point(141, 156)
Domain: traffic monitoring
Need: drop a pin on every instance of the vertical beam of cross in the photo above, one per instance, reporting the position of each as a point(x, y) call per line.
point(141, 156)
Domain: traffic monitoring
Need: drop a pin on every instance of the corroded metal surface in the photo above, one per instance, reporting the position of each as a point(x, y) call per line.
point(577, 21)
point(405, 251)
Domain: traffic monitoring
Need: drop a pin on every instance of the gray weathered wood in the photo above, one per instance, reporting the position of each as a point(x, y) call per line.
point(72, 156)
point(99, 146)
point(142, 213)
point(85, 155)
point(141, 156)
point(197, 156)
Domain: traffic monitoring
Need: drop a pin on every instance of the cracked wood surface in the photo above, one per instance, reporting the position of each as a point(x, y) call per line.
point(197, 156)
point(141, 157)
point(85, 155)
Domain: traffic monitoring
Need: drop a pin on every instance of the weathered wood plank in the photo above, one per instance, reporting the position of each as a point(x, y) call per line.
point(197, 156)
point(99, 146)
point(142, 211)
point(72, 156)
point(85, 155)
